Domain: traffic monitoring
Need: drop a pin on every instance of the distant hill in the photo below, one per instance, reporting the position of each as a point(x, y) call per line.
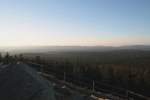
point(41, 49)
point(136, 47)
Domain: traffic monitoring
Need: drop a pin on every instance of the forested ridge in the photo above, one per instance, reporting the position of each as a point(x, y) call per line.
point(128, 69)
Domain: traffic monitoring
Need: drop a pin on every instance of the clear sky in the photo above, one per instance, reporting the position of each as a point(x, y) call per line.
point(74, 22)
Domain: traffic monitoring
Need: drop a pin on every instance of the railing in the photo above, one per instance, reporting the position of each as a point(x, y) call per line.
point(95, 86)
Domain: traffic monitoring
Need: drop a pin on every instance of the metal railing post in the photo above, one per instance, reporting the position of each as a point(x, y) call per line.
point(64, 76)
point(93, 86)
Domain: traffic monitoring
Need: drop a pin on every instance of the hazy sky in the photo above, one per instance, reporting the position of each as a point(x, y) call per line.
point(74, 22)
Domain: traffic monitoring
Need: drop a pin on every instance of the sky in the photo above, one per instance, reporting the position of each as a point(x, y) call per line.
point(74, 22)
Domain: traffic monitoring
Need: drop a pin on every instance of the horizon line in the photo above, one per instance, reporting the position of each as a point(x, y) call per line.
point(76, 45)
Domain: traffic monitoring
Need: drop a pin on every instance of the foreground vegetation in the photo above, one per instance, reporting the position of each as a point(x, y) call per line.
point(129, 69)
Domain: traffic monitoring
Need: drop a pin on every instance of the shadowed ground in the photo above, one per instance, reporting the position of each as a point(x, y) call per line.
point(19, 82)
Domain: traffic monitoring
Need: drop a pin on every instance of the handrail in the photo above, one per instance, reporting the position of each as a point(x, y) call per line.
point(128, 94)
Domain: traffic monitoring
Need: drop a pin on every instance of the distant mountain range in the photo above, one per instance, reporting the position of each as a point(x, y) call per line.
point(41, 49)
